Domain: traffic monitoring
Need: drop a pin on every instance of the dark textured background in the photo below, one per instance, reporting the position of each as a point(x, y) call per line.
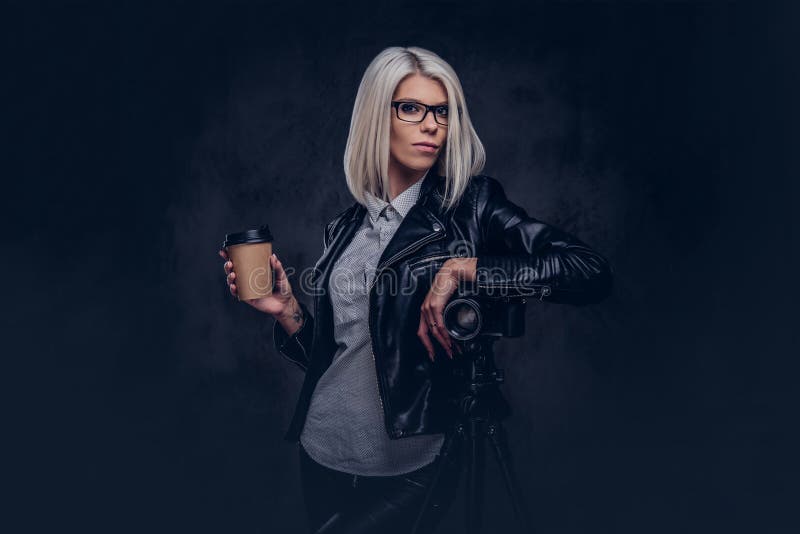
point(138, 134)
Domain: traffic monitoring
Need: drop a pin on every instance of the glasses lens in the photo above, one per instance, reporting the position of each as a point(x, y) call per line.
point(409, 111)
point(441, 114)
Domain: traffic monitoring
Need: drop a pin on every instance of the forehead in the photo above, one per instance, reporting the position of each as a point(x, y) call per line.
point(421, 88)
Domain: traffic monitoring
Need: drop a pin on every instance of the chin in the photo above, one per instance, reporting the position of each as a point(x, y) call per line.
point(422, 163)
point(417, 167)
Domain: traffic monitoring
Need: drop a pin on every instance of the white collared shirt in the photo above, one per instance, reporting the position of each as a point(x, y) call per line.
point(344, 428)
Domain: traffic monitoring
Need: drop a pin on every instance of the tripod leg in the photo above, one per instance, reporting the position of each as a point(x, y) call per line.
point(449, 449)
point(475, 463)
point(497, 435)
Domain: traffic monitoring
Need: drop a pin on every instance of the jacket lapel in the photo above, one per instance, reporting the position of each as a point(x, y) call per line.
point(419, 225)
point(338, 243)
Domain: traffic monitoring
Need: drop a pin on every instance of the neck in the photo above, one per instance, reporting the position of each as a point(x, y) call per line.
point(401, 178)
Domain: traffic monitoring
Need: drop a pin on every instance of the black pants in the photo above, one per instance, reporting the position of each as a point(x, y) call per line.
point(338, 502)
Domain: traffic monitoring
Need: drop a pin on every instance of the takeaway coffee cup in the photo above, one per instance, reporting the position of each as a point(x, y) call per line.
point(250, 251)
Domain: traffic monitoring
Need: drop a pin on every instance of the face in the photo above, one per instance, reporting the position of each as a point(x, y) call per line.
point(406, 159)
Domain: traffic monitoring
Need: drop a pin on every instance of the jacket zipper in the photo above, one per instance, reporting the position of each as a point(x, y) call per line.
point(409, 249)
point(419, 262)
point(541, 289)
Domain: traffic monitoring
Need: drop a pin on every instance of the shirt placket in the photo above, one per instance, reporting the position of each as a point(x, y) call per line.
point(385, 223)
point(383, 226)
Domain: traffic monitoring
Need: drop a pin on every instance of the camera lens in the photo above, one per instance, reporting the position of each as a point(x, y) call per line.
point(462, 318)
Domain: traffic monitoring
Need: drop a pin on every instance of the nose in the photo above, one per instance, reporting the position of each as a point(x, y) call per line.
point(429, 123)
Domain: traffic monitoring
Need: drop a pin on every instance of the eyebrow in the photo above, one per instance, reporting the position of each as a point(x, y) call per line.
point(420, 102)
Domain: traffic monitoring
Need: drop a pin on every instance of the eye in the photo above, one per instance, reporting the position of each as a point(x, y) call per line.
point(441, 111)
point(409, 107)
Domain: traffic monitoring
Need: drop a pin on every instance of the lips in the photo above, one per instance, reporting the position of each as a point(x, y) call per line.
point(427, 144)
point(425, 148)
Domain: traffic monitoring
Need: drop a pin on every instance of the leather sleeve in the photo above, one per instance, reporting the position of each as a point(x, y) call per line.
point(530, 258)
point(297, 347)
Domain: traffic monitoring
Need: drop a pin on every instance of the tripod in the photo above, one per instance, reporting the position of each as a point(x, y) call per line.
point(482, 410)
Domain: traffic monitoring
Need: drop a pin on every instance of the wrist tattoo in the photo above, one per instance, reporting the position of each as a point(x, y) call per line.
point(297, 314)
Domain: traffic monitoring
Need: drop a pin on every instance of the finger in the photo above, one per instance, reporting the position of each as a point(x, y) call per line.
point(230, 277)
point(422, 333)
point(280, 274)
point(281, 281)
point(427, 318)
point(223, 254)
point(437, 330)
point(442, 330)
point(228, 266)
point(233, 289)
point(443, 341)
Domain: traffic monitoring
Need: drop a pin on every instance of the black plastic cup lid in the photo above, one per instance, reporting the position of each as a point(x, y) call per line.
point(258, 235)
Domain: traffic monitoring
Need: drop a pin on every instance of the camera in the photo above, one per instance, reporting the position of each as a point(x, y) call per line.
point(470, 313)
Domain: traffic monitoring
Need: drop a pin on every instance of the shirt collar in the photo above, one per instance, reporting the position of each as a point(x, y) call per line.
point(402, 202)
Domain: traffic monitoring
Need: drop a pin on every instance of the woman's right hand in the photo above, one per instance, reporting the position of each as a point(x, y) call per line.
point(275, 304)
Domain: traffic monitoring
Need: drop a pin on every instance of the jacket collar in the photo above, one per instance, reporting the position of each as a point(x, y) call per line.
point(431, 187)
point(420, 224)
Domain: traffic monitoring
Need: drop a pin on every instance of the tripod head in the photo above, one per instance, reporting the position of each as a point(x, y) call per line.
point(475, 320)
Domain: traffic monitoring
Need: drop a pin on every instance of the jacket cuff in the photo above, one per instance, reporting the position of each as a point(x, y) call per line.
point(297, 347)
point(545, 278)
point(510, 276)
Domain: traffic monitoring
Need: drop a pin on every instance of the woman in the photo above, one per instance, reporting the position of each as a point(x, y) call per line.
point(380, 388)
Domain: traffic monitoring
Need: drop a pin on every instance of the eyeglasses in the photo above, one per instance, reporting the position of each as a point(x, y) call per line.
point(417, 111)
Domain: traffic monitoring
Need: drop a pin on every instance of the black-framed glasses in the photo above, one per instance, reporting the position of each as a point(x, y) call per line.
point(417, 111)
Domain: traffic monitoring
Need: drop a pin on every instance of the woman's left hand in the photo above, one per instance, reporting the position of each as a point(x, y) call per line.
point(431, 320)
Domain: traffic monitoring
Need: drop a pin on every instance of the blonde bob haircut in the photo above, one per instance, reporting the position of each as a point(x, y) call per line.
point(366, 155)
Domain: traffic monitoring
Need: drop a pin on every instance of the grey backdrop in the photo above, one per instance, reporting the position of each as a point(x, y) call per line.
point(656, 132)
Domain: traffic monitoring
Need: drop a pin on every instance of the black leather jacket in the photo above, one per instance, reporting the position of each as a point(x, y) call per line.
point(516, 253)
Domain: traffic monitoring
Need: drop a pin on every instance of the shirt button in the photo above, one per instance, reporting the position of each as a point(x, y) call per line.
point(436, 227)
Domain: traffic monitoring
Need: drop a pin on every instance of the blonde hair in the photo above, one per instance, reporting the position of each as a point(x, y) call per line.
point(366, 155)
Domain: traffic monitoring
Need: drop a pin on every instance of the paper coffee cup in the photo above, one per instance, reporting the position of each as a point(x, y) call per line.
point(250, 251)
